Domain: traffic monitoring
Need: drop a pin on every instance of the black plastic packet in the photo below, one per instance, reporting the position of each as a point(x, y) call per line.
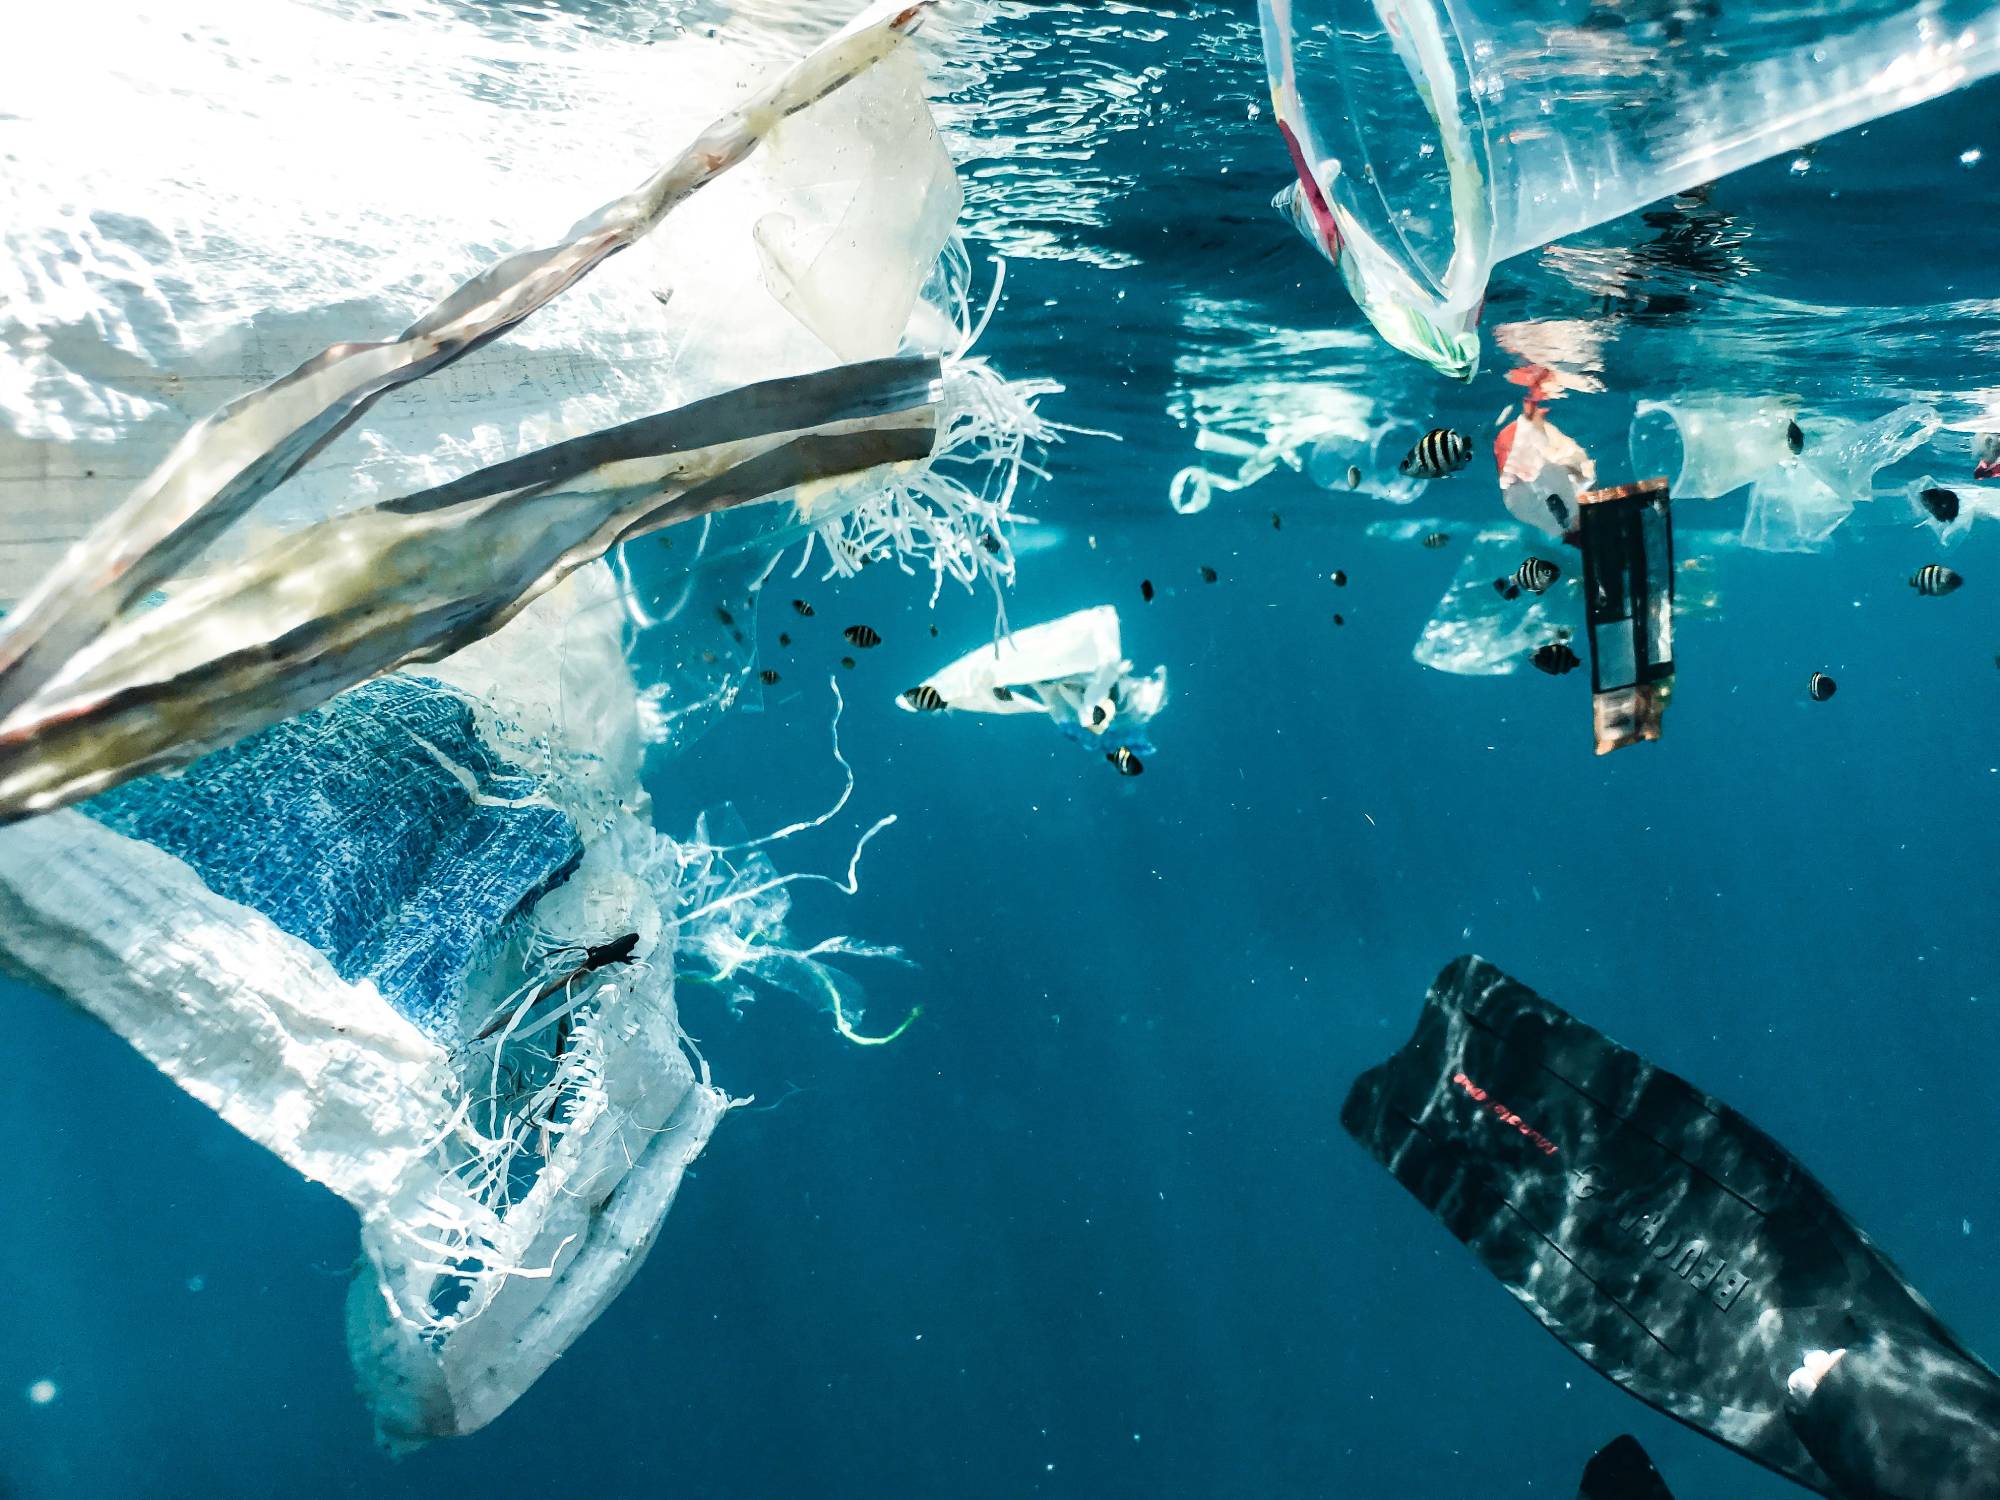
point(1628, 590)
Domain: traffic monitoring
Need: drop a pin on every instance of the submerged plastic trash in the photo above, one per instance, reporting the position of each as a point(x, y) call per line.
point(1708, 448)
point(1628, 593)
point(876, 198)
point(1192, 488)
point(1476, 632)
point(1542, 471)
point(255, 641)
point(1800, 504)
point(1367, 463)
point(411, 928)
point(306, 931)
point(1072, 669)
point(93, 691)
point(1432, 141)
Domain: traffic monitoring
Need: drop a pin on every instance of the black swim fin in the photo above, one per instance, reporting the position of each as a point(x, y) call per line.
point(1665, 1239)
point(1620, 1470)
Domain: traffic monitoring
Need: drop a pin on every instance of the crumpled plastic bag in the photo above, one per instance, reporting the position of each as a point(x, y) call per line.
point(1542, 471)
point(1073, 669)
point(1798, 505)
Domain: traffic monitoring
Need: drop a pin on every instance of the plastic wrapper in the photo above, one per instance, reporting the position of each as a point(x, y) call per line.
point(1542, 471)
point(1073, 670)
point(1627, 538)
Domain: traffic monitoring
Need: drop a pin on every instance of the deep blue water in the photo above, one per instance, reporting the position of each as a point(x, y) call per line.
point(1091, 1226)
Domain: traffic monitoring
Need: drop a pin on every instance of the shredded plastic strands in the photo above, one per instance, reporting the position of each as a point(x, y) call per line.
point(928, 513)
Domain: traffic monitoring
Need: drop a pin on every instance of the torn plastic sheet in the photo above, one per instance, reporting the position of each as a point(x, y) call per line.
point(1800, 504)
point(338, 602)
point(876, 198)
point(307, 180)
point(446, 988)
point(1475, 632)
point(230, 460)
point(506, 1192)
point(1072, 669)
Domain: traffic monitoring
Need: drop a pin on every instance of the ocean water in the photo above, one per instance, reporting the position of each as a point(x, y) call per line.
point(1091, 1228)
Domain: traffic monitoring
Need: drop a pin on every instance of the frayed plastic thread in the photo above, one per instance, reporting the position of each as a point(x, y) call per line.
point(952, 519)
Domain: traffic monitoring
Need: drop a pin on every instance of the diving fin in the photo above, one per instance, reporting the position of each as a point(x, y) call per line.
point(1621, 1470)
point(1670, 1243)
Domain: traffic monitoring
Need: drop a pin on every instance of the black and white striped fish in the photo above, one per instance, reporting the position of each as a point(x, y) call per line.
point(1555, 658)
point(803, 608)
point(768, 677)
point(924, 698)
point(1820, 687)
point(1437, 539)
point(1933, 579)
point(1534, 575)
point(863, 636)
point(1127, 763)
point(1438, 452)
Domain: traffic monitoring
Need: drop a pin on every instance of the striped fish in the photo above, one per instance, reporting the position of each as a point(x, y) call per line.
point(803, 608)
point(1437, 539)
point(1438, 452)
point(768, 677)
point(1534, 575)
point(1127, 763)
point(1556, 658)
point(924, 698)
point(1934, 578)
point(1820, 687)
point(863, 636)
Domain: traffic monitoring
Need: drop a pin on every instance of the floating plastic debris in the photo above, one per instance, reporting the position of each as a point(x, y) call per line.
point(1072, 669)
point(1799, 505)
point(1628, 592)
point(445, 986)
point(1542, 471)
point(1519, 149)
